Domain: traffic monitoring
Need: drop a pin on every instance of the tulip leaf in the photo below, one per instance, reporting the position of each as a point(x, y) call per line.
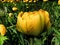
point(2, 39)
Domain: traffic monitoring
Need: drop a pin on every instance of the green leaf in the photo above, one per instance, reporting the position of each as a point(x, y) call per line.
point(2, 39)
point(1, 12)
point(37, 41)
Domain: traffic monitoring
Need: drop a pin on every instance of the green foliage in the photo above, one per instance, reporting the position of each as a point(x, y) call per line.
point(2, 39)
point(49, 37)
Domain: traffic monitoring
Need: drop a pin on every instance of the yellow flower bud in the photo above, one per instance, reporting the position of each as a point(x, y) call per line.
point(30, 0)
point(45, 0)
point(35, 0)
point(59, 2)
point(14, 8)
point(25, 0)
point(10, 14)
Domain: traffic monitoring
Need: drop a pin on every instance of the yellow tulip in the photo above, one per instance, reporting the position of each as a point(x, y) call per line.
point(32, 23)
point(2, 29)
